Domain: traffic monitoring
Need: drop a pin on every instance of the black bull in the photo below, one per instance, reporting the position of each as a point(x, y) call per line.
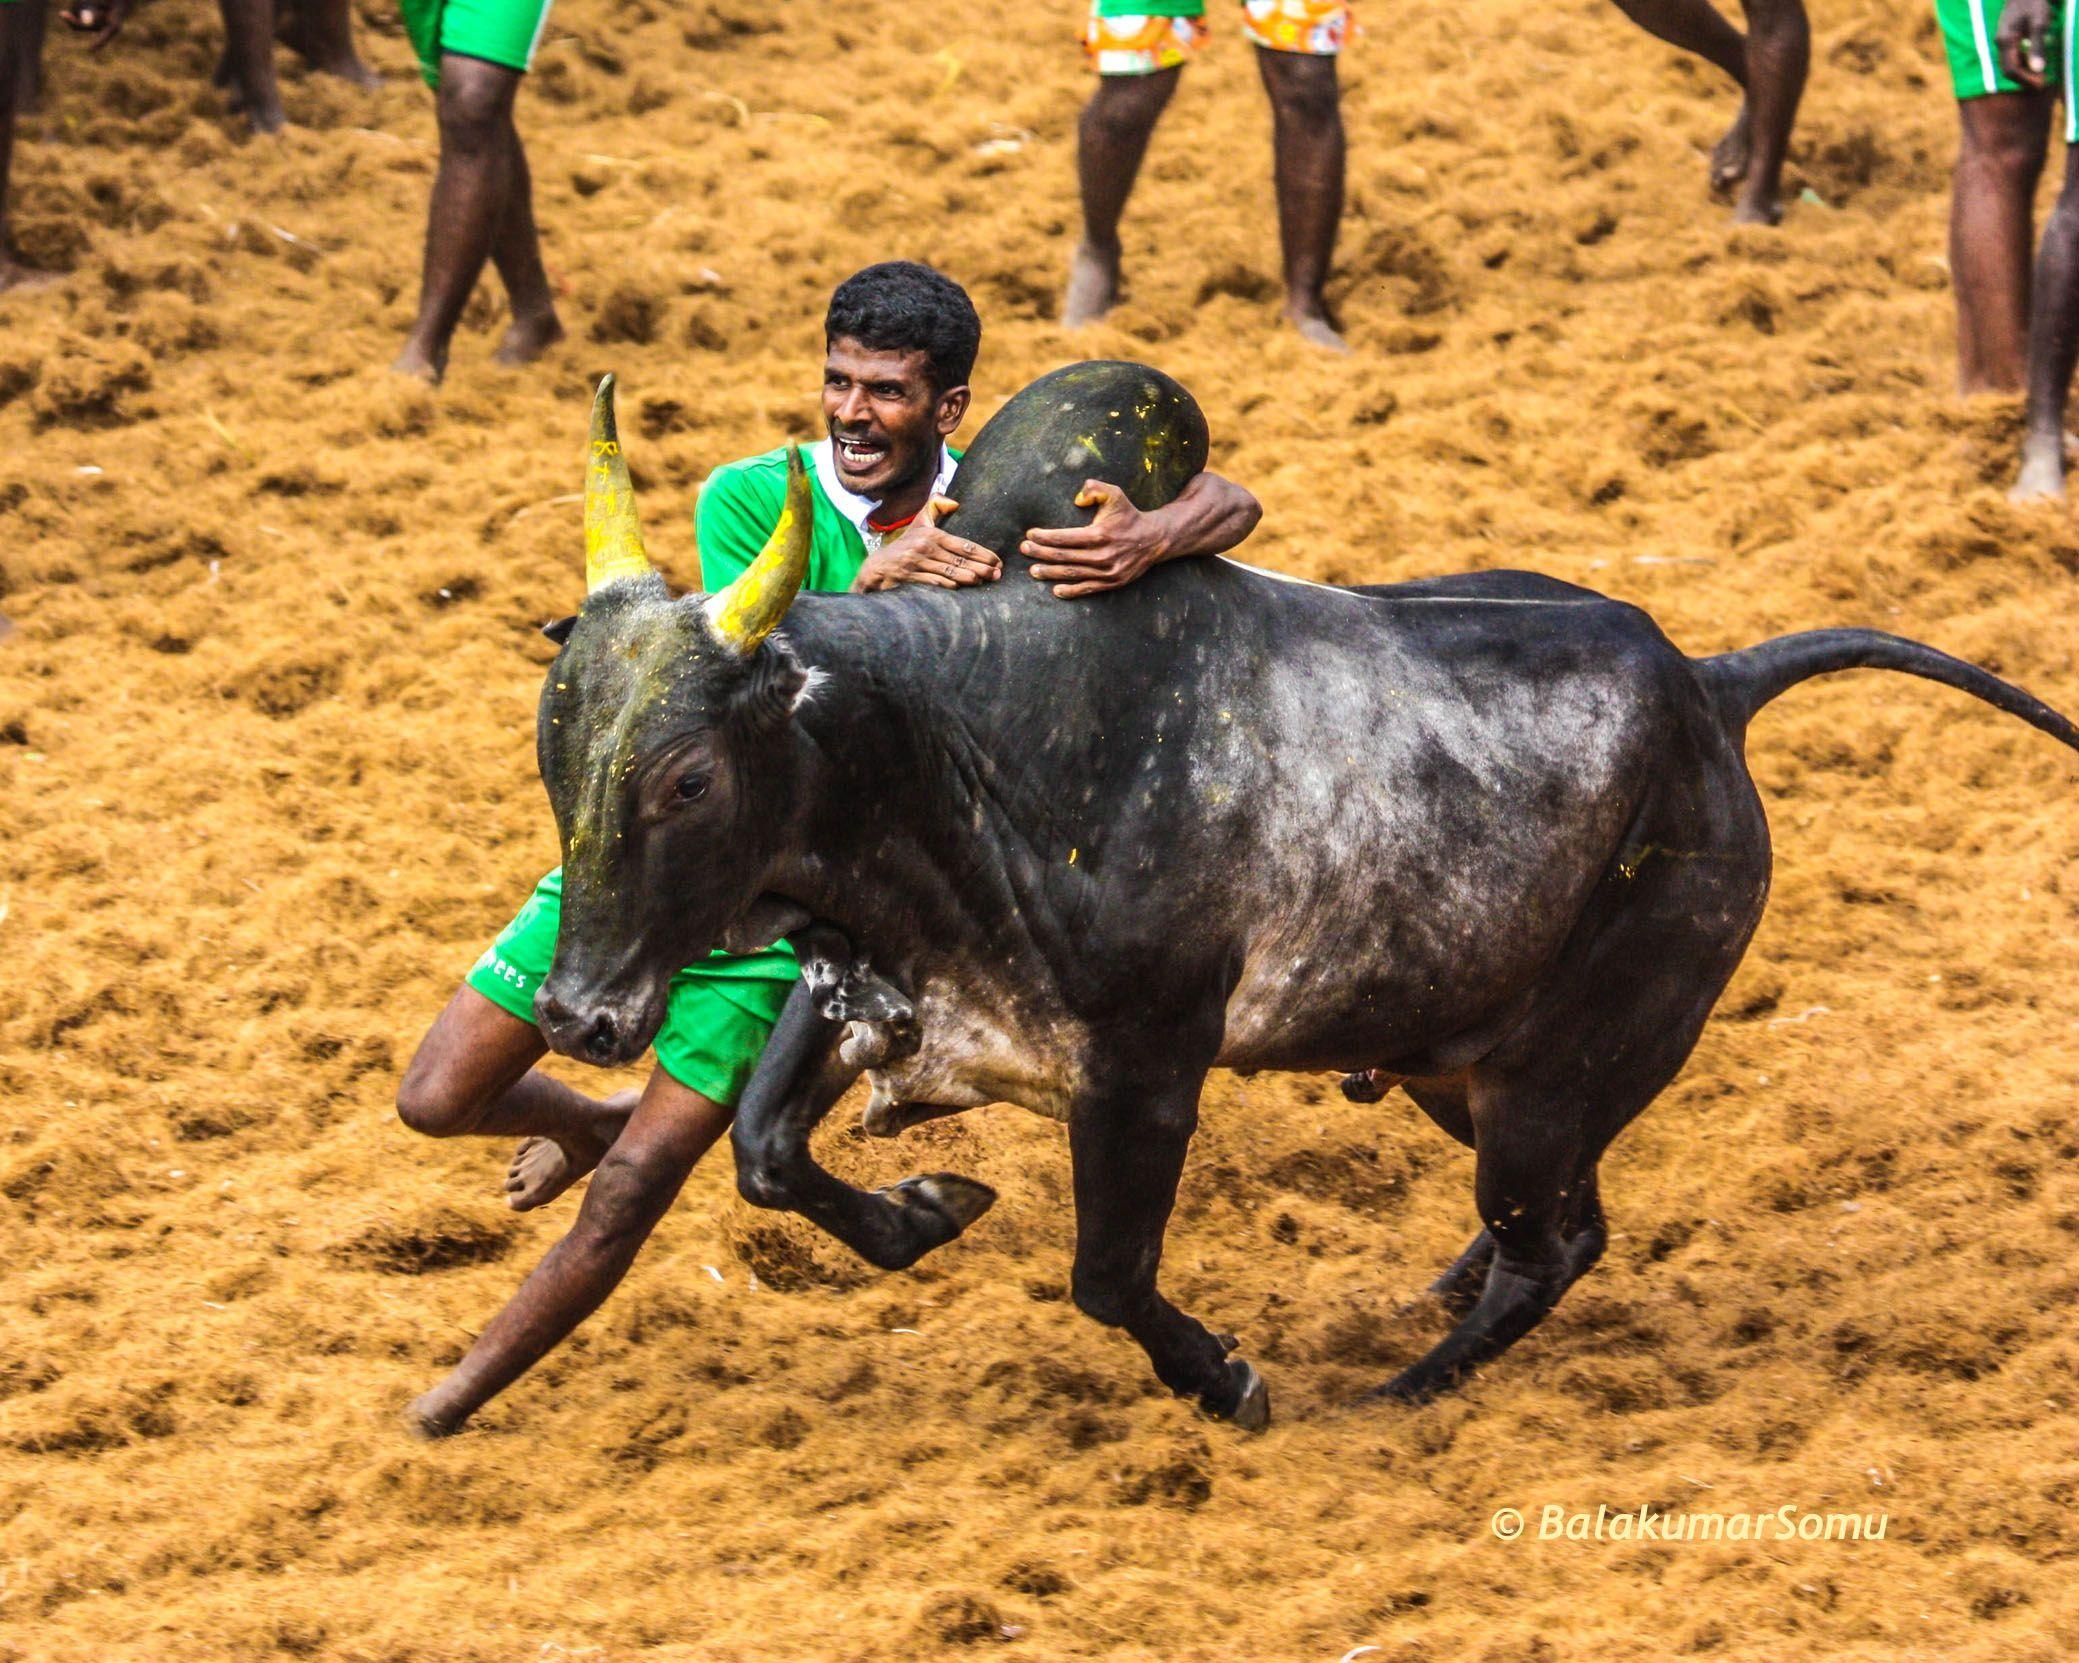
point(1491, 838)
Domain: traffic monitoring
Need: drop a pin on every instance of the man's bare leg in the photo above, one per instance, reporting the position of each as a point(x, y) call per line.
point(482, 163)
point(17, 30)
point(1111, 141)
point(1307, 118)
point(247, 68)
point(2053, 345)
point(1698, 27)
point(516, 252)
point(1999, 160)
point(1779, 52)
point(634, 1186)
point(323, 36)
point(474, 1074)
point(27, 74)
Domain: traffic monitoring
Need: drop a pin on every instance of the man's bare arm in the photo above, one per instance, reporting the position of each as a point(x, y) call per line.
point(924, 554)
point(1209, 516)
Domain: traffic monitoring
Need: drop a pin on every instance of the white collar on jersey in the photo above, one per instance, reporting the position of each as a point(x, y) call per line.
point(856, 508)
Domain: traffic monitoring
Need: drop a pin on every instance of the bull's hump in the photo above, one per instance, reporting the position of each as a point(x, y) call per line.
point(1125, 423)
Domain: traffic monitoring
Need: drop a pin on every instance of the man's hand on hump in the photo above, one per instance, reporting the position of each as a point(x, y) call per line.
point(925, 554)
point(1117, 546)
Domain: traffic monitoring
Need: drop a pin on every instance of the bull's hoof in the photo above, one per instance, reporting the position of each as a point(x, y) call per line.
point(950, 1202)
point(1414, 1386)
point(1365, 1086)
point(1249, 1398)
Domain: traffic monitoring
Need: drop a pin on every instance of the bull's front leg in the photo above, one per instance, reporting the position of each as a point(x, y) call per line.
point(804, 1071)
point(1127, 1144)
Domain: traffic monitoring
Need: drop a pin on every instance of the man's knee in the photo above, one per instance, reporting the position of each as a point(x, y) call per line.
point(2003, 149)
point(1304, 89)
point(430, 1103)
point(1126, 107)
point(475, 108)
point(626, 1196)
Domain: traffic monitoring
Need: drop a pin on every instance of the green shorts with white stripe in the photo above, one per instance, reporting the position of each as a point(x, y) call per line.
point(1970, 31)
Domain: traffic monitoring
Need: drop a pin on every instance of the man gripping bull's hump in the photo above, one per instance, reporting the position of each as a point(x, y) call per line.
point(900, 344)
point(1489, 838)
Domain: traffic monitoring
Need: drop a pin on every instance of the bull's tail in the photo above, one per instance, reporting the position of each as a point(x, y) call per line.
point(1742, 682)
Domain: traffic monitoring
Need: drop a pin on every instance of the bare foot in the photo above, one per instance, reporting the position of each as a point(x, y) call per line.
point(543, 1168)
point(2042, 471)
point(427, 1420)
point(1756, 208)
point(1314, 327)
point(1093, 286)
point(528, 338)
point(414, 362)
point(348, 68)
point(15, 277)
point(1731, 154)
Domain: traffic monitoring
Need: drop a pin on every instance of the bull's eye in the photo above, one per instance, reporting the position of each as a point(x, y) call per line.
point(691, 788)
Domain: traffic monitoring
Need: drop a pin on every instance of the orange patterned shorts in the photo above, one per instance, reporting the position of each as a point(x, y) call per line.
point(1139, 44)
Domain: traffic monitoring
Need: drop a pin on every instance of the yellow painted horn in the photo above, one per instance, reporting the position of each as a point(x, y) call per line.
point(751, 608)
point(613, 535)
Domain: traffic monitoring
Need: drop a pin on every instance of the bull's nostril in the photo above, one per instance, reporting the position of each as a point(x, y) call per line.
point(548, 1008)
point(602, 1041)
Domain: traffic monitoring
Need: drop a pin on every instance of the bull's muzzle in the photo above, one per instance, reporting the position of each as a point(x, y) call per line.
point(592, 1033)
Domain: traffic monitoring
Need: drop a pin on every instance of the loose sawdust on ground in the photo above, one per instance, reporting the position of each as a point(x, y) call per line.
point(266, 786)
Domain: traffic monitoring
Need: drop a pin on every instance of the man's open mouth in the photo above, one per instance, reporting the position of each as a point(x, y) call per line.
point(858, 455)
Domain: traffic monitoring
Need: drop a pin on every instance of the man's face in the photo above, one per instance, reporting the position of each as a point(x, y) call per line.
point(886, 419)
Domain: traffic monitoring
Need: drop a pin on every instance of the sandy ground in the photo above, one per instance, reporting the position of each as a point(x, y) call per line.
point(266, 787)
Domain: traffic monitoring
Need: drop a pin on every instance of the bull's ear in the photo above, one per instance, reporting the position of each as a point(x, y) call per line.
point(771, 692)
point(559, 631)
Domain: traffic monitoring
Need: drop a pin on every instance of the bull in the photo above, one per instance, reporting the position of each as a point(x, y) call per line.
point(1490, 838)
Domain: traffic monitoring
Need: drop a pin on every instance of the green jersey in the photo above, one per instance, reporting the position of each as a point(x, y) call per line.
point(740, 504)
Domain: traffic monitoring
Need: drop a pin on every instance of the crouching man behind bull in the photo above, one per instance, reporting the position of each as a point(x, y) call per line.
point(900, 343)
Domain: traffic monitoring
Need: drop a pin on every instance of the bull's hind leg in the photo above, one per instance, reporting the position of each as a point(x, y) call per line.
point(801, 1076)
point(1625, 1004)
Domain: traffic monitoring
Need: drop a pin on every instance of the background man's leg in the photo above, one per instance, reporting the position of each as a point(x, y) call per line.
point(516, 251)
point(247, 69)
point(27, 75)
point(1999, 160)
point(1111, 140)
point(636, 1183)
point(1698, 27)
point(481, 163)
point(1779, 51)
point(324, 38)
point(17, 30)
point(1307, 113)
point(2053, 344)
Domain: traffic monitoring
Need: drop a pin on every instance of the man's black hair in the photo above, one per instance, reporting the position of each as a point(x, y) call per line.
point(902, 306)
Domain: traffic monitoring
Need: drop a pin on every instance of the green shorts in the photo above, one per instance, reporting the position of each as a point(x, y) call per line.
point(720, 1014)
point(1970, 33)
point(503, 32)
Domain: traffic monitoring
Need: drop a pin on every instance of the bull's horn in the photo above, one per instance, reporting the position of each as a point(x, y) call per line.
point(751, 608)
point(613, 535)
